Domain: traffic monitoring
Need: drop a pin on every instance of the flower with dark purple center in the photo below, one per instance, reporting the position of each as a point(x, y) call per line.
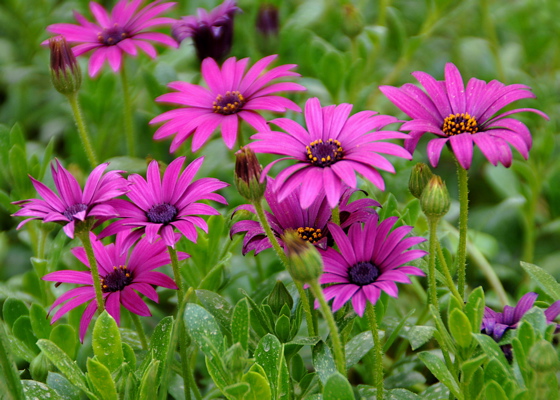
point(113, 35)
point(73, 210)
point(162, 213)
point(117, 279)
point(363, 273)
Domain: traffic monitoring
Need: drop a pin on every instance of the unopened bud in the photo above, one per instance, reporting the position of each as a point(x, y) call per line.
point(278, 297)
point(419, 178)
point(248, 175)
point(305, 262)
point(267, 20)
point(39, 368)
point(543, 357)
point(65, 71)
point(435, 198)
point(352, 21)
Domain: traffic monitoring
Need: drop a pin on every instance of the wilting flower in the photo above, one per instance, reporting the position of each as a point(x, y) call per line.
point(211, 32)
point(370, 261)
point(496, 324)
point(123, 272)
point(330, 152)
point(159, 206)
point(310, 223)
point(73, 205)
point(123, 31)
point(233, 94)
point(463, 117)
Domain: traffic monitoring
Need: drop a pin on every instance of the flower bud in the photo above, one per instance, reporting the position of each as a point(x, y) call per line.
point(305, 262)
point(435, 198)
point(267, 20)
point(66, 75)
point(39, 368)
point(543, 357)
point(352, 21)
point(419, 178)
point(248, 174)
point(278, 297)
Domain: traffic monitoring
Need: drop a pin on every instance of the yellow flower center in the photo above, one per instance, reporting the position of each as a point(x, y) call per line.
point(323, 154)
point(455, 124)
point(312, 235)
point(230, 103)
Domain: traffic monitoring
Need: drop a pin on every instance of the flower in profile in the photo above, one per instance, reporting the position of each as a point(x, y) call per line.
point(123, 31)
point(211, 32)
point(74, 206)
point(310, 223)
point(370, 261)
point(268, 23)
point(330, 152)
point(66, 75)
point(232, 94)
point(160, 205)
point(463, 117)
point(496, 324)
point(123, 272)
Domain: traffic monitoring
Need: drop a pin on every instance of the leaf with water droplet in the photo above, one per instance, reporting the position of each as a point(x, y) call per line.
point(323, 361)
point(106, 342)
point(269, 355)
point(219, 307)
point(337, 388)
point(100, 377)
point(63, 387)
point(204, 329)
point(159, 346)
point(38, 390)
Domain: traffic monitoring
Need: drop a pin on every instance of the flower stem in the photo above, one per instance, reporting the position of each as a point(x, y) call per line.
point(280, 253)
point(76, 110)
point(378, 350)
point(140, 330)
point(447, 274)
point(128, 126)
point(463, 176)
point(433, 222)
point(339, 359)
point(176, 274)
point(86, 241)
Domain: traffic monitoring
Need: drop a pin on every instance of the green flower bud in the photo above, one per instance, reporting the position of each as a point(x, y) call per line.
point(435, 198)
point(305, 262)
point(248, 174)
point(419, 178)
point(39, 368)
point(66, 75)
point(543, 357)
point(352, 20)
point(278, 297)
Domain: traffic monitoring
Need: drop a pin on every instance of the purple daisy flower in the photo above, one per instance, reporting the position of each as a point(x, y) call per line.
point(463, 117)
point(309, 223)
point(124, 31)
point(73, 204)
point(160, 205)
point(211, 32)
point(330, 152)
point(370, 261)
point(232, 94)
point(496, 324)
point(122, 272)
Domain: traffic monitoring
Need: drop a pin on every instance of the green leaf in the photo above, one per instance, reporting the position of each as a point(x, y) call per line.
point(520, 358)
point(217, 371)
point(536, 318)
point(68, 367)
point(12, 310)
point(237, 390)
point(20, 349)
point(419, 335)
point(474, 309)
point(282, 328)
point(159, 347)
point(323, 361)
point(526, 335)
point(460, 328)
point(63, 387)
point(337, 388)
point(396, 331)
point(305, 340)
point(106, 342)
point(39, 321)
point(148, 383)
point(18, 168)
point(405, 378)
point(494, 370)
point(259, 386)
point(358, 347)
point(204, 329)
point(64, 336)
point(369, 392)
point(23, 331)
point(101, 379)
point(129, 356)
point(265, 324)
point(10, 382)
point(219, 307)
point(495, 392)
point(543, 279)
point(332, 70)
point(269, 355)
point(440, 371)
point(38, 390)
point(493, 351)
point(470, 366)
point(240, 323)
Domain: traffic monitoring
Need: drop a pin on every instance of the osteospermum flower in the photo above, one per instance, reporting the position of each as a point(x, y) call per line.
point(122, 271)
point(232, 94)
point(159, 206)
point(370, 261)
point(496, 324)
point(330, 152)
point(211, 32)
point(123, 31)
point(310, 223)
point(463, 117)
point(72, 205)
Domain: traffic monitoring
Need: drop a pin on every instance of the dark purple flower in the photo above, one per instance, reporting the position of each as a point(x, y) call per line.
point(160, 205)
point(496, 324)
point(73, 205)
point(370, 260)
point(211, 32)
point(123, 272)
point(309, 223)
point(267, 20)
point(330, 152)
point(463, 117)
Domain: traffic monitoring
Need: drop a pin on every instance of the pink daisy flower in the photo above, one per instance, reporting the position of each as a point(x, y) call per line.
point(463, 117)
point(123, 272)
point(370, 261)
point(232, 94)
point(123, 31)
point(330, 152)
point(73, 205)
point(159, 206)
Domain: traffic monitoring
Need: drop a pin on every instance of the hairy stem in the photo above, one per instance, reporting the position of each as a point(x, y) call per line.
point(433, 222)
point(82, 131)
point(140, 330)
point(378, 350)
point(86, 241)
point(463, 176)
point(128, 125)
